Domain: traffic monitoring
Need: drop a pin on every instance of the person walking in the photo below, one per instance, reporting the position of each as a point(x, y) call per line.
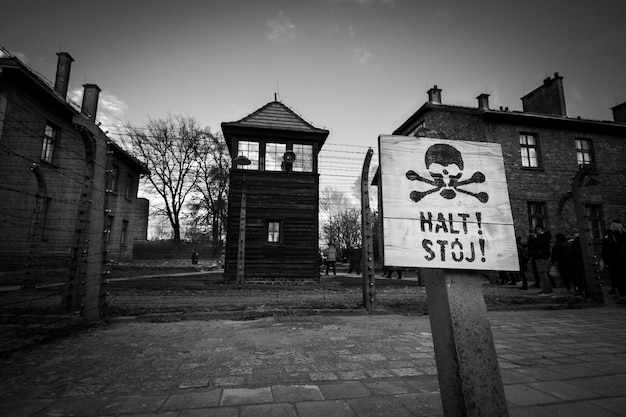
point(522, 256)
point(331, 258)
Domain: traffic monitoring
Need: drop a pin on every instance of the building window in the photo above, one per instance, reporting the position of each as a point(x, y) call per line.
point(274, 156)
point(123, 234)
point(49, 139)
point(128, 190)
point(537, 214)
point(251, 151)
point(304, 158)
point(273, 231)
point(584, 152)
point(593, 214)
point(529, 150)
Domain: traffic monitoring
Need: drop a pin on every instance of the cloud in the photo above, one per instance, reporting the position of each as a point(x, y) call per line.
point(281, 28)
point(442, 13)
point(18, 55)
point(361, 55)
point(111, 109)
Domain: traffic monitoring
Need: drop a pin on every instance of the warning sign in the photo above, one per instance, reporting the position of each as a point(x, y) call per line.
point(445, 204)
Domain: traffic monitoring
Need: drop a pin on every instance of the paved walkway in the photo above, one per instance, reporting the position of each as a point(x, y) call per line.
point(553, 363)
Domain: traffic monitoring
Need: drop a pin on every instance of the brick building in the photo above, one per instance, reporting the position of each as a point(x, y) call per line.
point(68, 197)
point(543, 150)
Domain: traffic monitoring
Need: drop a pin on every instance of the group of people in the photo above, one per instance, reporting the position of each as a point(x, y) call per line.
point(563, 259)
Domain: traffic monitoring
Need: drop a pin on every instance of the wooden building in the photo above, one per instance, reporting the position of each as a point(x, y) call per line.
point(282, 194)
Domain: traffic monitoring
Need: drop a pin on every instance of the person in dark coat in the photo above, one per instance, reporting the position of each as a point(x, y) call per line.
point(539, 252)
point(194, 257)
point(614, 257)
point(354, 257)
point(562, 259)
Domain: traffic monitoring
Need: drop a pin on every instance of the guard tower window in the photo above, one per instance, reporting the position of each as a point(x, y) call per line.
point(529, 150)
point(304, 158)
point(274, 156)
point(250, 150)
point(273, 231)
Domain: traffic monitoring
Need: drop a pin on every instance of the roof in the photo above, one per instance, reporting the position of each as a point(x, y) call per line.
point(274, 118)
point(516, 117)
point(275, 115)
point(10, 61)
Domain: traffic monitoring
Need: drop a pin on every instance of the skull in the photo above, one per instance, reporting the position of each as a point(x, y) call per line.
point(445, 165)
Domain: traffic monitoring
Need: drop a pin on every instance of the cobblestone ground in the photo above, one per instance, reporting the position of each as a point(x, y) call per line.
point(559, 363)
point(170, 291)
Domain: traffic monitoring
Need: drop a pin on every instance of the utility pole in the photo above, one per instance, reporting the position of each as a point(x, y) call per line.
point(367, 258)
point(593, 290)
point(241, 247)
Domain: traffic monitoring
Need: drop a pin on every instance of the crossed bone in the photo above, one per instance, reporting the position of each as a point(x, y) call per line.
point(447, 193)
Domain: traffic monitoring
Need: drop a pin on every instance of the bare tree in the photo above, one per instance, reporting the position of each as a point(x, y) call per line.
point(344, 229)
point(333, 202)
point(209, 207)
point(171, 148)
point(340, 219)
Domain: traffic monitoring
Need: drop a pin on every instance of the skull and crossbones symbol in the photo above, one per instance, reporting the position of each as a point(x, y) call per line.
point(445, 165)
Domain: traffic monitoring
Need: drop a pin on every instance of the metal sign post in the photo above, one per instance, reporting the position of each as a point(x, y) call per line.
point(445, 208)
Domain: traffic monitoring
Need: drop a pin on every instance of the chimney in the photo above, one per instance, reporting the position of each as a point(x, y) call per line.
point(549, 98)
point(434, 95)
point(62, 80)
point(483, 101)
point(91, 92)
point(619, 113)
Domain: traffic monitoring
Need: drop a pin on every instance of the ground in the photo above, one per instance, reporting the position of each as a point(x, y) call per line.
point(172, 290)
point(177, 287)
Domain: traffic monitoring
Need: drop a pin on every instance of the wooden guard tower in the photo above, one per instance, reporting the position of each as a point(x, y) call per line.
point(276, 233)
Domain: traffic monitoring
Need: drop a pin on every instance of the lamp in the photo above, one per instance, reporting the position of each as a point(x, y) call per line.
point(241, 160)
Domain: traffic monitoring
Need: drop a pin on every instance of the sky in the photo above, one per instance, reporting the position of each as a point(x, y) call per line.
point(356, 67)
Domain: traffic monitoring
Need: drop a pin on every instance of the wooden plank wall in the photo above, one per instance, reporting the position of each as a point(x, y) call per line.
point(291, 198)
